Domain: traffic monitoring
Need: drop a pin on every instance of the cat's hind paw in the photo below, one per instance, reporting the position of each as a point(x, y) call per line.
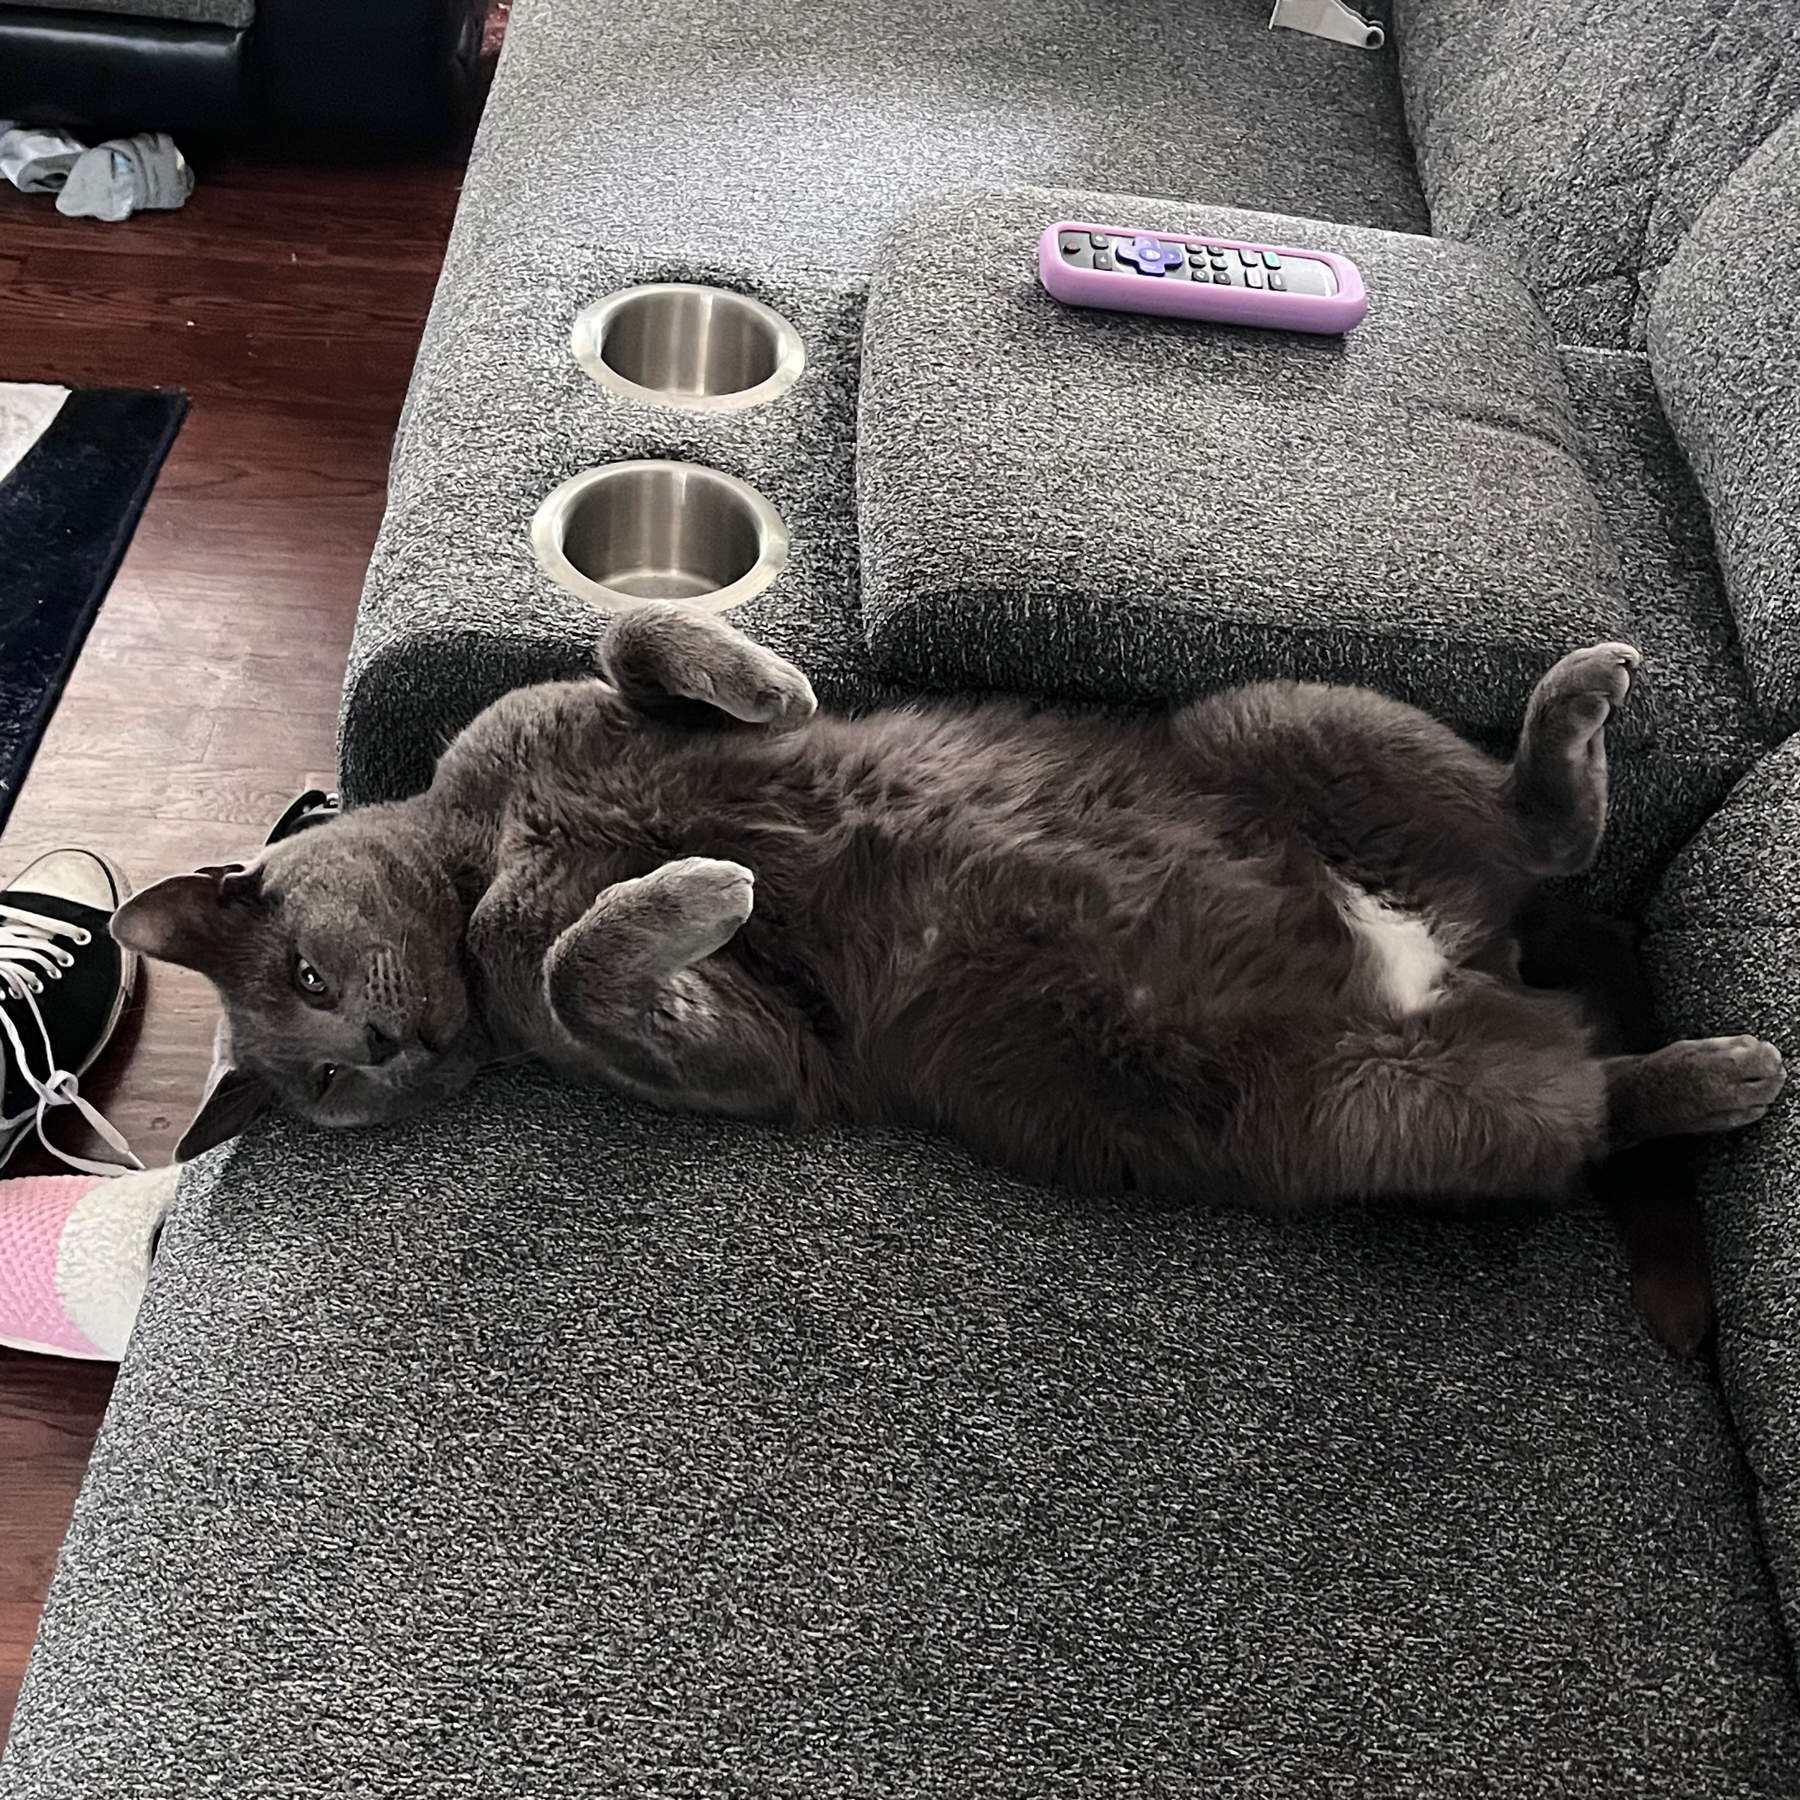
point(1557, 786)
point(1570, 706)
point(1700, 1085)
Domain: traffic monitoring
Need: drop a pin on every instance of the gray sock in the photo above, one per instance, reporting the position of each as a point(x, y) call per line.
point(126, 175)
point(38, 162)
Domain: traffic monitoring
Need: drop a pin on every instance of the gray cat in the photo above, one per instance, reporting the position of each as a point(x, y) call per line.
point(1262, 947)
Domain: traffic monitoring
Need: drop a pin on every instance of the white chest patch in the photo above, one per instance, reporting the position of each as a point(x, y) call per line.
point(1402, 959)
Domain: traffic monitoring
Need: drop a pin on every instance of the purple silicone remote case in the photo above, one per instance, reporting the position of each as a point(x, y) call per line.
point(1123, 289)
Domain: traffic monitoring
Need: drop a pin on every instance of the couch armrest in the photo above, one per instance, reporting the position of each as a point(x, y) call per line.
point(1723, 945)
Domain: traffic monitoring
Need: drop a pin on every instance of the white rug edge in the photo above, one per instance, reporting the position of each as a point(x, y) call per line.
point(27, 409)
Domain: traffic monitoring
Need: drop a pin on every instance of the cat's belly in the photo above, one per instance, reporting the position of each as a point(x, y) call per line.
point(1403, 958)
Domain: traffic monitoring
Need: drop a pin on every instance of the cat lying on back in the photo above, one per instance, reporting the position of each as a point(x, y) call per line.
point(1260, 947)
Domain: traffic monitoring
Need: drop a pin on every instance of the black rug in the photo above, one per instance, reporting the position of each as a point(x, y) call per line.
point(67, 512)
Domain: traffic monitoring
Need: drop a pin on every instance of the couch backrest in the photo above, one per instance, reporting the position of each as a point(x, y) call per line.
point(1724, 340)
point(1584, 137)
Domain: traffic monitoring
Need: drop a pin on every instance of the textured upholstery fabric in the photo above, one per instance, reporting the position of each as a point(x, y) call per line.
point(768, 145)
point(1111, 507)
point(1583, 137)
point(1724, 944)
point(551, 1446)
point(191, 12)
point(1726, 351)
point(1708, 731)
point(610, 1453)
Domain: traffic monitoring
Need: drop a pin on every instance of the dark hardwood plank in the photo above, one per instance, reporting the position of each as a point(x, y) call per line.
point(49, 1412)
point(207, 694)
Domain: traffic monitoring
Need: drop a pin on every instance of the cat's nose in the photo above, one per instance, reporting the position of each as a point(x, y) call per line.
point(382, 1048)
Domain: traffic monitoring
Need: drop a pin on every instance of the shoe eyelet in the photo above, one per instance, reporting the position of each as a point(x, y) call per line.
point(83, 937)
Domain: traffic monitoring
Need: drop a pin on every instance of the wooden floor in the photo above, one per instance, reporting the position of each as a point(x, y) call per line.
point(288, 303)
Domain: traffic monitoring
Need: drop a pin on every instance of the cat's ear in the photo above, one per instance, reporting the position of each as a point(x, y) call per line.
point(234, 1097)
point(195, 920)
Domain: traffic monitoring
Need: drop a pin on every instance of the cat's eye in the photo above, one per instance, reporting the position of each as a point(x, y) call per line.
point(328, 1073)
point(310, 982)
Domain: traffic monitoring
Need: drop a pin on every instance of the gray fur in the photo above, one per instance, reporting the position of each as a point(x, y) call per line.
point(1175, 955)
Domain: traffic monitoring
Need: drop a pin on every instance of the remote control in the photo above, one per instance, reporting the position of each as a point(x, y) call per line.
point(1221, 279)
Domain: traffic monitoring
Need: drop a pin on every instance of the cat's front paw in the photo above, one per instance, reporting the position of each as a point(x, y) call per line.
point(693, 905)
point(668, 647)
point(759, 687)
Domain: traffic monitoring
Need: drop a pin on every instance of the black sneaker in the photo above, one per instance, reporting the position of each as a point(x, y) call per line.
point(63, 985)
point(314, 807)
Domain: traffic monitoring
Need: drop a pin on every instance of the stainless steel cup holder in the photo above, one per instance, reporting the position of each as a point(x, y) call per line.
point(673, 343)
point(634, 531)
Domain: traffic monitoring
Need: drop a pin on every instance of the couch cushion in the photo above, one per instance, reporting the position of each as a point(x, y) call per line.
point(556, 1446)
point(1725, 345)
point(1581, 138)
point(191, 12)
point(1724, 947)
point(1118, 508)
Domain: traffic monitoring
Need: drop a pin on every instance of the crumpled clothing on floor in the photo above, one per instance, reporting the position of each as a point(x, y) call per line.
point(111, 181)
point(126, 175)
point(37, 162)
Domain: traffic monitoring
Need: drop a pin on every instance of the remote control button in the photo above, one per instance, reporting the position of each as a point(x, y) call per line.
point(1248, 258)
point(1072, 242)
point(1271, 260)
point(1222, 277)
point(1253, 278)
point(1217, 252)
point(1172, 257)
point(1277, 283)
point(1103, 259)
point(1148, 255)
point(1307, 275)
point(1099, 240)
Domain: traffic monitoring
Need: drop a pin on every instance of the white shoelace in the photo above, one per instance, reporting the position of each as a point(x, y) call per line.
point(30, 955)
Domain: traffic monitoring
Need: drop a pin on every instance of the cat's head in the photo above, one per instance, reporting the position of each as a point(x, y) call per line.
point(338, 956)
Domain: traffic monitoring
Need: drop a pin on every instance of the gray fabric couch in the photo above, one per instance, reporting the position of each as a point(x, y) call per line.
point(554, 1446)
